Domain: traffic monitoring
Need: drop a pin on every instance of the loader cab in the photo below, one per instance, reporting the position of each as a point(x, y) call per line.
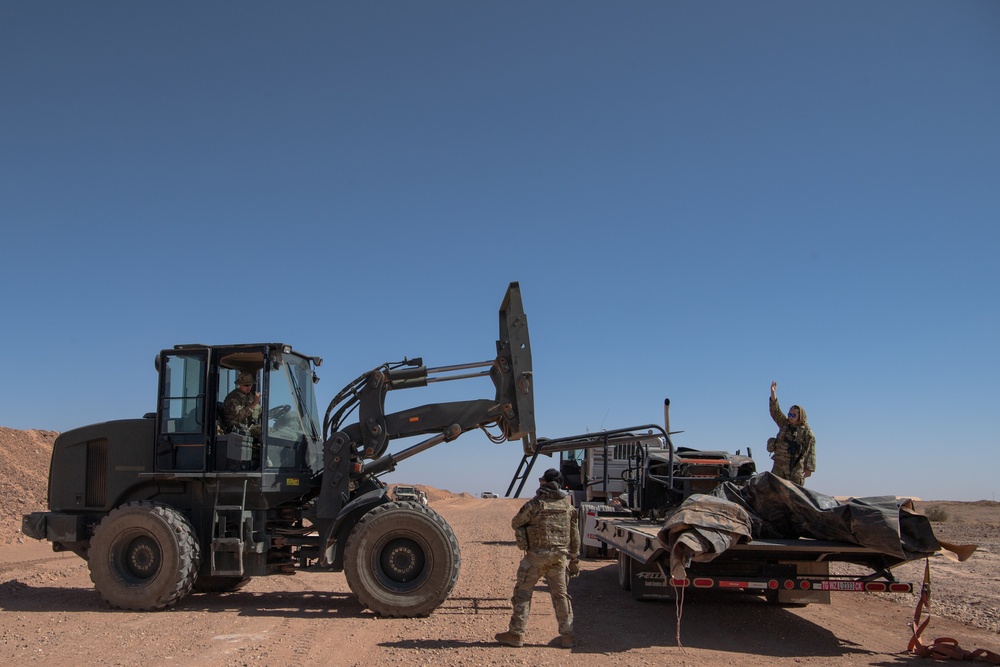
point(192, 434)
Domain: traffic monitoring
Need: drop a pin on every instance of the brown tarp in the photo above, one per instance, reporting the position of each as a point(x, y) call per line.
point(770, 507)
point(700, 529)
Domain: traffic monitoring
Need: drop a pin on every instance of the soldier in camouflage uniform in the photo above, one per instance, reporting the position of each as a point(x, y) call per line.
point(241, 409)
point(546, 529)
point(794, 448)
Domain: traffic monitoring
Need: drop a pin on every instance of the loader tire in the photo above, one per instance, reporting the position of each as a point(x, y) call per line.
point(144, 556)
point(402, 560)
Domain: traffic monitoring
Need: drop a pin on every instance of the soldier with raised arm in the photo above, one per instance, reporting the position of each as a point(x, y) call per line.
point(794, 448)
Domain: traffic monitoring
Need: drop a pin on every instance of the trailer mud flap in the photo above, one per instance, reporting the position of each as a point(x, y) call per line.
point(804, 596)
point(648, 582)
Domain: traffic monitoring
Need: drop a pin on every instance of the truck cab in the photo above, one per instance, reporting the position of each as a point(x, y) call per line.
point(405, 493)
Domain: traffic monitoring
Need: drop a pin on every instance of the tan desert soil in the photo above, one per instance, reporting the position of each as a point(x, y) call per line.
point(24, 476)
point(49, 611)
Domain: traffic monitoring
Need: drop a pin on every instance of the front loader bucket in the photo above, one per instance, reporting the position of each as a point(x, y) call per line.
point(512, 376)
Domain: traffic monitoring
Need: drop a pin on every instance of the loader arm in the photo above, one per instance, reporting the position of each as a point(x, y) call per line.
point(511, 411)
point(348, 487)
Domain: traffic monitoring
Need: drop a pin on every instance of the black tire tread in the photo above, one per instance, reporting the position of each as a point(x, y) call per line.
point(396, 605)
point(178, 578)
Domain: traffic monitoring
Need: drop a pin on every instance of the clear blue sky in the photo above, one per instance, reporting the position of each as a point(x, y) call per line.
point(697, 198)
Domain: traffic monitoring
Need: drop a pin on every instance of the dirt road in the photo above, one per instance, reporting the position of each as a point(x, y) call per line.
point(49, 612)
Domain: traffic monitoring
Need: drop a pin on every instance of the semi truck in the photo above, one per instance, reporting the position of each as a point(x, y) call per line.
point(182, 499)
point(782, 549)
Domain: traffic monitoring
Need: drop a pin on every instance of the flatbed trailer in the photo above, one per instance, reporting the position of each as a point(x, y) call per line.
point(657, 479)
point(784, 571)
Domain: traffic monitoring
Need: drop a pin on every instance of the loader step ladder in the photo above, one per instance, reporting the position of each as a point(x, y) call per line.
point(229, 528)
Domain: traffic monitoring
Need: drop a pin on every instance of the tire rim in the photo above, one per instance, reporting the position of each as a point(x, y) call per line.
point(400, 564)
point(136, 558)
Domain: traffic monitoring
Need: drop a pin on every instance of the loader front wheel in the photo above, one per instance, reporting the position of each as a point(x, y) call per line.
point(402, 560)
point(144, 556)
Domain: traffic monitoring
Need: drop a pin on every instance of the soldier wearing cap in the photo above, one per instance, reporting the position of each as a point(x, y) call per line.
point(547, 531)
point(241, 409)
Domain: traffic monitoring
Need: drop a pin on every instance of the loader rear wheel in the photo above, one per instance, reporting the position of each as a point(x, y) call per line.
point(402, 560)
point(144, 556)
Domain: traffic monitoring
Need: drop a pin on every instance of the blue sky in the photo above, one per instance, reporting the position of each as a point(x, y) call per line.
point(697, 198)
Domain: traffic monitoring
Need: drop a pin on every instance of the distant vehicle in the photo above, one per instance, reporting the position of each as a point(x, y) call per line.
point(404, 493)
point(488, 494)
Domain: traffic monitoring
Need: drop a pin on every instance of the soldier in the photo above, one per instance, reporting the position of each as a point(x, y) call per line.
point(794, 448)
point(547, 531)
point(241, 409)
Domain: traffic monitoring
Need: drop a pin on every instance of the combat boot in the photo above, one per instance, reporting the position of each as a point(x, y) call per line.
point(510, 639)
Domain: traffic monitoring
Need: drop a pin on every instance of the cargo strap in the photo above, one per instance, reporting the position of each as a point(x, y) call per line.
point(942, 648)
point(678, 602)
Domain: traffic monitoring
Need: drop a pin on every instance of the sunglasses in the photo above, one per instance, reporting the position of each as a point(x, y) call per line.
point(793, 415)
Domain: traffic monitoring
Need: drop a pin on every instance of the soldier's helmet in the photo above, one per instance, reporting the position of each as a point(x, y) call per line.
point(245, 379)
point(552, 475)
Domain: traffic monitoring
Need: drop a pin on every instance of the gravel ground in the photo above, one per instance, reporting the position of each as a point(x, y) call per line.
point(49, 611)
point(967, 592)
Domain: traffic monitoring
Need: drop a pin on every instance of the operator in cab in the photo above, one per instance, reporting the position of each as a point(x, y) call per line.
point(241, 409)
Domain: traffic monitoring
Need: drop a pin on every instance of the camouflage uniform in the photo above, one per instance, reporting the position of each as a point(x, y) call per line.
point(547, 529)
point(239, 416)
point(794, 448)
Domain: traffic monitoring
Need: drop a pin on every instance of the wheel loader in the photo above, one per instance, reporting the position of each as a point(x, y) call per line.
point(185, 500)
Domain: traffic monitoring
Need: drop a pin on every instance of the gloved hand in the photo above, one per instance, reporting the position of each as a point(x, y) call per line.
point(521, 535)
point(573, 569)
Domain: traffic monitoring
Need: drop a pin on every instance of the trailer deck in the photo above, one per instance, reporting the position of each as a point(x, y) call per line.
point(793, 571)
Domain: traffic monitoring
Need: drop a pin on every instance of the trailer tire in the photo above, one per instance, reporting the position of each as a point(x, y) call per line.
point(402, 560)
point(624, 571)
point(144, 556)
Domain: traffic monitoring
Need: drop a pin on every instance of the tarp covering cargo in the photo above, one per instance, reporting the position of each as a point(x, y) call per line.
point(775, 508)
point(701, 528)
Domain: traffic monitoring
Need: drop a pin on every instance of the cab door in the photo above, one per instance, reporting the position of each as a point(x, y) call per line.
point(182, 411)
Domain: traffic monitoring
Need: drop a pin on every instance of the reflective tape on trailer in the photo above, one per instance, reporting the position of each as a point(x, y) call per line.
point(840, 585)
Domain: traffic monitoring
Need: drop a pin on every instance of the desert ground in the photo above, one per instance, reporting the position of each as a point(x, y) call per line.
point(50, 612)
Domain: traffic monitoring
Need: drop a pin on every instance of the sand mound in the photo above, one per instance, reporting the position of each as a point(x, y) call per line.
point(432, 493)
point(24, 477)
